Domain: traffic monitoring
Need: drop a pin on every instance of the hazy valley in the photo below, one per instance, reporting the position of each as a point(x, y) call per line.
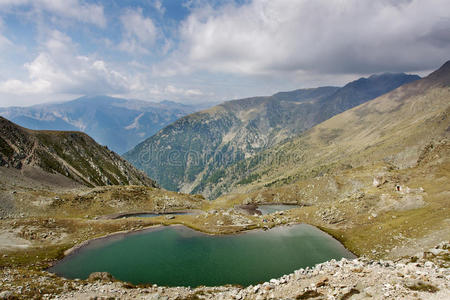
point(117, 123)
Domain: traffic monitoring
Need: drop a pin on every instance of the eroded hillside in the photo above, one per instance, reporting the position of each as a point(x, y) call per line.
point(69, 154)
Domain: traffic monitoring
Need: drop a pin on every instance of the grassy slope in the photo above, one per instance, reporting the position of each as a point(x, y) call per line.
point(392, 128)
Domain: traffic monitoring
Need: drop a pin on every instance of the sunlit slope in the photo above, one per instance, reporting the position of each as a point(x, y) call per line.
point(393, 128)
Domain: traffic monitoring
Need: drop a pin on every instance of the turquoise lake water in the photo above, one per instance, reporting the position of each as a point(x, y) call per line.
point(179, 256)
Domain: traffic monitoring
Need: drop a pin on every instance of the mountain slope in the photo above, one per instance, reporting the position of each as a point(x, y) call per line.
point(392, 129)
point(185, 155)
point(71, 154)
point(117, 123)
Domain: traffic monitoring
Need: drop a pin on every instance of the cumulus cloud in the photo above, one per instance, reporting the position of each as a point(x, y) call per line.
point(74, 9)
point(58, 69)
point(59, 72)
point(139, 32)
point(314, 36)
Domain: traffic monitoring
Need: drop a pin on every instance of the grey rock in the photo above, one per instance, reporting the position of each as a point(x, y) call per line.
point(6, 295)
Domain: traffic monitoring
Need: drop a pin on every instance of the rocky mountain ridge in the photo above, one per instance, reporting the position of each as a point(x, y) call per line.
point(69, 154)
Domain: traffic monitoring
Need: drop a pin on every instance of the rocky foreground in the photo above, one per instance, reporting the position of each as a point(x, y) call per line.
point(423, 276)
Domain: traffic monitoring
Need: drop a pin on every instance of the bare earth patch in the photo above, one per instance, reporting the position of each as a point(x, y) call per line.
point(9, 241)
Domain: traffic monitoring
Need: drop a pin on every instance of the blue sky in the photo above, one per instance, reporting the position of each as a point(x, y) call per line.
point(200, 50)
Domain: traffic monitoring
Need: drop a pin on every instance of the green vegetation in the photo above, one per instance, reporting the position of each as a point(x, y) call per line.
point(421, 286)
point(249, 179)
point(5, 149)
point(216, 176)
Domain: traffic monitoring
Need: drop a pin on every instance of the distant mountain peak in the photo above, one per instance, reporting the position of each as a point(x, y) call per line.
point(169, 102)
point(387, 74)
point(441, 76)
point(445, 66)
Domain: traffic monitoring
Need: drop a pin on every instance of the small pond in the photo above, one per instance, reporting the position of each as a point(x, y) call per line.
point(179, 256)
point(152, 215)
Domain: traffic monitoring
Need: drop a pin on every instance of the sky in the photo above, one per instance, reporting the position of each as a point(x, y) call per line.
point(196, 51)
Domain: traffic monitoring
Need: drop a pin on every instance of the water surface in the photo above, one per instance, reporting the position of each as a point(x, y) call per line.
point(152, 215)
point(179, 256)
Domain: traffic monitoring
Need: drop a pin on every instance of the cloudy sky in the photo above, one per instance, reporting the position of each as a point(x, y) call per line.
point(205, 50)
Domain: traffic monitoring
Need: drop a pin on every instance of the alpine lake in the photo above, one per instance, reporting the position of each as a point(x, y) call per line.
point(179, 256)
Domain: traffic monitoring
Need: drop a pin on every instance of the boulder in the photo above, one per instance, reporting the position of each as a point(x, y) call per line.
point(103, 276)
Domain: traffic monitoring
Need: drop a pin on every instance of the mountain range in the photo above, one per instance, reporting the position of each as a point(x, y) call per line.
point(395, 131)
point(192, 152)
point(117, 123)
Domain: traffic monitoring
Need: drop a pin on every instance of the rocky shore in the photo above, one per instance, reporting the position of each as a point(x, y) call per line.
point(423, 276)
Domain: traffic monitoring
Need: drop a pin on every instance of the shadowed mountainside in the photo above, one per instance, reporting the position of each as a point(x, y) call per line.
point(72, 154)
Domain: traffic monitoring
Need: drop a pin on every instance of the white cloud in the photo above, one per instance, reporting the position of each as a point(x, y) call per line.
point(314, 36)
point(172, 90)
point(58, 69)
point(159, 7)
point(75, 9)
point(139, 32)
point(13, 2)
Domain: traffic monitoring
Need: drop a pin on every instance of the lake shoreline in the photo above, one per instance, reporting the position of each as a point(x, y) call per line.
point(121, 234)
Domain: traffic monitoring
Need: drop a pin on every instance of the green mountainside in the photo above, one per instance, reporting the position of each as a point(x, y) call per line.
point(68, 153)
point(188, 155)
point(393, 130)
